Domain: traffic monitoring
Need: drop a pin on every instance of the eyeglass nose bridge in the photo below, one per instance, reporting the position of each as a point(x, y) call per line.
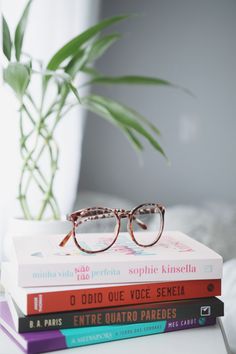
point(122, 213)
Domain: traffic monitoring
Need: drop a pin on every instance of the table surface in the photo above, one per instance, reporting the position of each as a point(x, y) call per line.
point(198, 340)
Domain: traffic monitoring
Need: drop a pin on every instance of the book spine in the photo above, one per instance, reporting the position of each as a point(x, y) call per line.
point(175, 310)
point(118, 272)
point(71, 338)
point(80, 299)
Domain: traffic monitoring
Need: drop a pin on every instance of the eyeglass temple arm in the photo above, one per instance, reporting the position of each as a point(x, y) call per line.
point(140, 223)
point(66, 239)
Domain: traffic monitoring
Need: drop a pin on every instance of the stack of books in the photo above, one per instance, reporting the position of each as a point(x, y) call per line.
point(63, 298)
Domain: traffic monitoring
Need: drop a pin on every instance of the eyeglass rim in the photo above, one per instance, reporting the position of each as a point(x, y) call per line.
point(115, 236)
point(162, 217)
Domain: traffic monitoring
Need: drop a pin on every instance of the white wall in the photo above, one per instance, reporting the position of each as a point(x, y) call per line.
point(191, 43)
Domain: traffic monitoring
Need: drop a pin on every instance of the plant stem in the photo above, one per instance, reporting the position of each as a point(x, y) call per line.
point(30, 165)
point(22, 197)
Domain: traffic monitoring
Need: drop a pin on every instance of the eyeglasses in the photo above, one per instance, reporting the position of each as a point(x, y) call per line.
point(96, 229)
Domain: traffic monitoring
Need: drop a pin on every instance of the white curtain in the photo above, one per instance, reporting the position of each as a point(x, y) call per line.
point(51, 24)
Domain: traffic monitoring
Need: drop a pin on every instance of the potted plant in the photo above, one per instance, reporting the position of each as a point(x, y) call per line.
point(58, 93)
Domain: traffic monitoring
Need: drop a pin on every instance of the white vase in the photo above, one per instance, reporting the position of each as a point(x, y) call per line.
point(32, 228)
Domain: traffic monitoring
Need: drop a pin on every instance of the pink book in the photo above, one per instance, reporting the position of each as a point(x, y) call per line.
point(41, 262)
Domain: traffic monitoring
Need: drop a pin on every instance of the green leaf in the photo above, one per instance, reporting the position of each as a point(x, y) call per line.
point(133, 139)
point(17, 76)
point(99, 109)
point(84, 56)
point(131, 80)
point(60, 75)
point(144, 120)
point(99, 47)
point(138, 116)
point(20, 30)
point(123, 115)
point(74, 90)
point(103, 113)
point(77, 62)
point(90, 71)
point(6, 39)
point(135, 80)
point(70, 48)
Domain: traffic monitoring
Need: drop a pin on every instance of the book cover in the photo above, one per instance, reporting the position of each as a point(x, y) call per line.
point(33, 301)
point(44, 341)
point(41, 262)
point(152, 312)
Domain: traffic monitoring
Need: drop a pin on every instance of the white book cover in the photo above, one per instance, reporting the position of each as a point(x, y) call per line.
point(21, 294)
point(41, 262)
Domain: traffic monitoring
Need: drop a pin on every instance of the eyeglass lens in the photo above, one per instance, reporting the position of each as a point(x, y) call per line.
point(98, 231)
point(146, 224)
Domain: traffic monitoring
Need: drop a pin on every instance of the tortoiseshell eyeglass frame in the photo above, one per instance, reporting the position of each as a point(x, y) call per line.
point(95, 213)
